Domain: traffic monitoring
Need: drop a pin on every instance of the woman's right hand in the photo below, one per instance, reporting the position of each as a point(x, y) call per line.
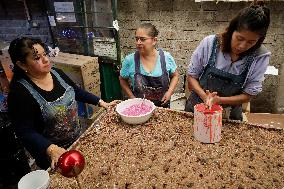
point(54, 152)
point(211, 98)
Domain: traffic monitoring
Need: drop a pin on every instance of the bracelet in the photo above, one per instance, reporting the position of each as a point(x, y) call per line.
point(100, 101)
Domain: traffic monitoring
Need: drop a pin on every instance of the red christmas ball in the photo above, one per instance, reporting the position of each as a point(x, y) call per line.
point(71, 163)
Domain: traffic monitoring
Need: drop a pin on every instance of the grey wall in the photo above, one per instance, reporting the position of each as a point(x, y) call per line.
point(184, 23)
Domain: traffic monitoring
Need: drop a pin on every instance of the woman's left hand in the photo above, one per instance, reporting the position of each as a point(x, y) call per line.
point(107, 105)
point(166, 97)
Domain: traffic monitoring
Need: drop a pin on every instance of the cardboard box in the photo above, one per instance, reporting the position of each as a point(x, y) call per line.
point(84, 71)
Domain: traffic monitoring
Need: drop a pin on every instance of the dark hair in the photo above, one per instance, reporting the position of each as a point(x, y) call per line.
point(151, 29)
point(255, 18)
point(19, 49)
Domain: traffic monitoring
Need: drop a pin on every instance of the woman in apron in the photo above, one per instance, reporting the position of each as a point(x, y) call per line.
point(228, 68)
point(42, 103)
point(153, 73)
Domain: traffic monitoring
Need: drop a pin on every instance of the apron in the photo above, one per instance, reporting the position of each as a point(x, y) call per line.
point(224, 83)
point(149, 87)
point(61, 122)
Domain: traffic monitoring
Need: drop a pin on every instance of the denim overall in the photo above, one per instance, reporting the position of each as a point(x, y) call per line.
point(149, 87)
point(224, 83)
point(61, 122)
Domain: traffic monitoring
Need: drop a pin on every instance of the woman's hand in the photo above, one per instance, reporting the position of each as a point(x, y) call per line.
point(166, 97)
point(125, 87)
point(211, 98)
point(54, 152)
point(107, 105)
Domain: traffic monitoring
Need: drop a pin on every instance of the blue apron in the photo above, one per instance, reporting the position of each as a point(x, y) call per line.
point(61, 122)
point(224, 83)
point(149, 87)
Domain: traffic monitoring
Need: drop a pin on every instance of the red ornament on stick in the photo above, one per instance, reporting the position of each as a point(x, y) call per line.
point(71, 164)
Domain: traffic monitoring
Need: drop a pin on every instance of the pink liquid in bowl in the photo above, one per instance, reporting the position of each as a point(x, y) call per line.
point(137, 109)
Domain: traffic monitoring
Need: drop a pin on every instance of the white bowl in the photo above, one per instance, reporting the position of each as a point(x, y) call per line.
point(38, 179)
point(134, 119)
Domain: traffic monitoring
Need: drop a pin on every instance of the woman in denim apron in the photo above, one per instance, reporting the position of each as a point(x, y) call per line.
point(152, 72)
point(228, 69)
point(42, 103)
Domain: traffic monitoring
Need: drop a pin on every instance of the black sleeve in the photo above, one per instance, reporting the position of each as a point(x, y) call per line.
point(25, 113)
point(80, 94)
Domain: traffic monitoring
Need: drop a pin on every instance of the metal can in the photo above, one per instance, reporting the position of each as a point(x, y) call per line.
point(207, 123)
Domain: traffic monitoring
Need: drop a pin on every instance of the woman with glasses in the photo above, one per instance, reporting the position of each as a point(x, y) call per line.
point(152, 72)
point(228, 68)
point(42, 103)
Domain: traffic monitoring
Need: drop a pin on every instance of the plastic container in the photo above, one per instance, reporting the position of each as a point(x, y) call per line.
point(207, 123)
point(135, 119)
point(38, 179)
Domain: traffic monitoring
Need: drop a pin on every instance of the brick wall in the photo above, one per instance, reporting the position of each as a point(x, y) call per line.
point(13, 20)
point(184, 23)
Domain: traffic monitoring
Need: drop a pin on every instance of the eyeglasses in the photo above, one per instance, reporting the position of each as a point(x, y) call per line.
point(142, 39)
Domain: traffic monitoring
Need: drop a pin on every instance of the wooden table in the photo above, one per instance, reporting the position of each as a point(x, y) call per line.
point(266, 119)
point(163, 153)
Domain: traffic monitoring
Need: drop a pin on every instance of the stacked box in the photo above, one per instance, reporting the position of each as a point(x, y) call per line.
point(84, 71)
